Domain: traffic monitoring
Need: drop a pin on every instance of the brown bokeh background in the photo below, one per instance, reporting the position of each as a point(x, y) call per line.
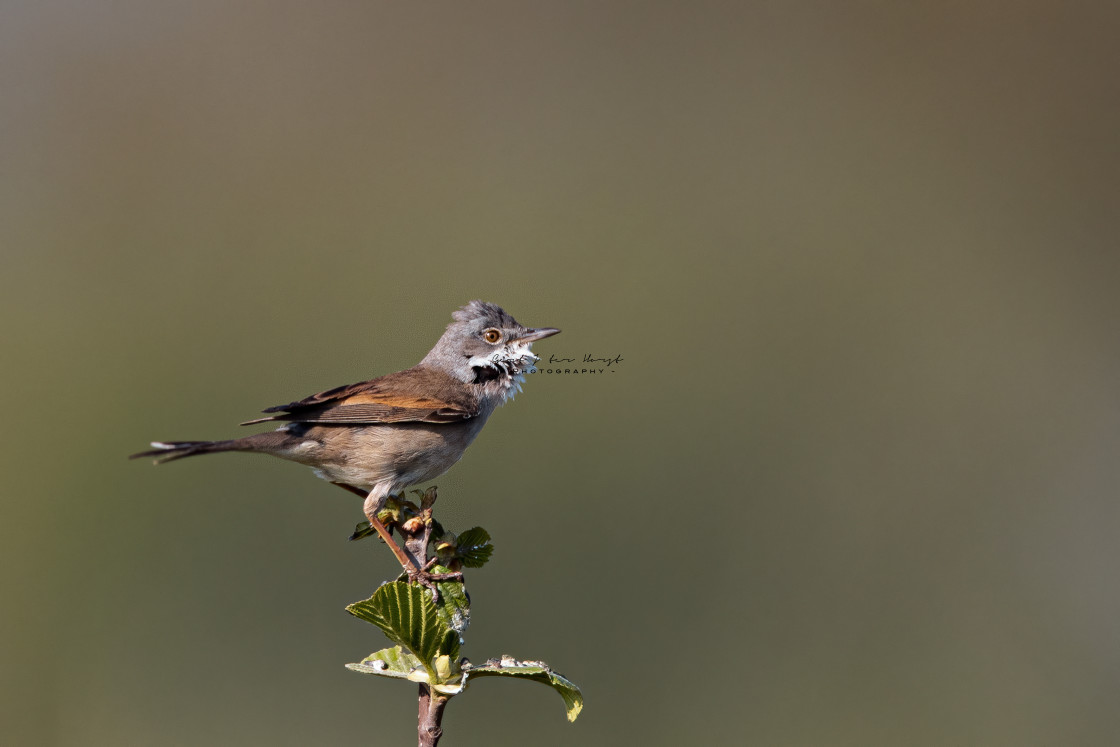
point(854, 481)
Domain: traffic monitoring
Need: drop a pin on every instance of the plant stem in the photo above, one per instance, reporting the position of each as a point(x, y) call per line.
point(428, 728)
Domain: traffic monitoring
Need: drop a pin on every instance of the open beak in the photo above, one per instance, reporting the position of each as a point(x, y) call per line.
point(532, 335)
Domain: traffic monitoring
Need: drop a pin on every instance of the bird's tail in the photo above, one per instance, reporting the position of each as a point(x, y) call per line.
point(172, 450)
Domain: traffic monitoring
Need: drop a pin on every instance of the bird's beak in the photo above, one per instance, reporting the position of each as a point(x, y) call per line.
point(532, 335)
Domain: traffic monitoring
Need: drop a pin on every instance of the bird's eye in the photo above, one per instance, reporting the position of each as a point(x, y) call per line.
point(491, 335)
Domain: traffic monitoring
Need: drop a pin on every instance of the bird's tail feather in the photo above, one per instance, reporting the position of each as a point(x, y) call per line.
point(172, 450)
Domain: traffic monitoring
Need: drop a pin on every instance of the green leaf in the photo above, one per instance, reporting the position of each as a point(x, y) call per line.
point(408, 616)
point(474, 547)
point(537, 671)
point(454, 606)
point(363, 529)
point(398, 664)
point(388, 662)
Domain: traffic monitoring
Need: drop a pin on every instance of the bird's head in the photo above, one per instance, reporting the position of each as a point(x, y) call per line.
point(486, 346)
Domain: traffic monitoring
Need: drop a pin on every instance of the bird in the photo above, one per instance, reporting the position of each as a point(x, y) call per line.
point(376, 438)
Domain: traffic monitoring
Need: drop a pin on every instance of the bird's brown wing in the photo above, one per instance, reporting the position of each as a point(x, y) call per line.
point(418, 395)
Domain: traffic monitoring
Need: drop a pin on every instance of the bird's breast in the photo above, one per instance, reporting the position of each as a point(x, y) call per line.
point(400, 454)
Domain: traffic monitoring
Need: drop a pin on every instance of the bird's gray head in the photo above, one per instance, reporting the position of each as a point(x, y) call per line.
point(486, 346)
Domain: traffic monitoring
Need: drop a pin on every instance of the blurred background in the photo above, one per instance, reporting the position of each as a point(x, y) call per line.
point(853, 482)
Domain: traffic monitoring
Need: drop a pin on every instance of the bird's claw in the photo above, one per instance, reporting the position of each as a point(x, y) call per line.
point(429, 580)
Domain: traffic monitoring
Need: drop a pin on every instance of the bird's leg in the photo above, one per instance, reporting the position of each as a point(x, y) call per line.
point(370, 509)
point(416, 533)
point(410, 565)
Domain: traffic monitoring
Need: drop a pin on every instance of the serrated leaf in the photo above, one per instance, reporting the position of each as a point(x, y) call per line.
point(408, 616)
point(537, 671)
point(388, 662)
point(454, 605)
point(474, 547)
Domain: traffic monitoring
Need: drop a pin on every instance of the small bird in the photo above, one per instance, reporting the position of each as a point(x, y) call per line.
point(378, 437)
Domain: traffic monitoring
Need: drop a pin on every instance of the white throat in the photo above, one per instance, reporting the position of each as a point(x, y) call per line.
point(510, 362)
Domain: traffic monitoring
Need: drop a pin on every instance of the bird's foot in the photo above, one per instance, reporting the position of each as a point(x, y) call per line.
point(429, 580)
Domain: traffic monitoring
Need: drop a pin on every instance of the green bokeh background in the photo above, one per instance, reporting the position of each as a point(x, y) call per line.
point(854, 481)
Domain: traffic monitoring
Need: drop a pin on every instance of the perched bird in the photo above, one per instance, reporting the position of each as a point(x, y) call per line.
point(378, 437)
